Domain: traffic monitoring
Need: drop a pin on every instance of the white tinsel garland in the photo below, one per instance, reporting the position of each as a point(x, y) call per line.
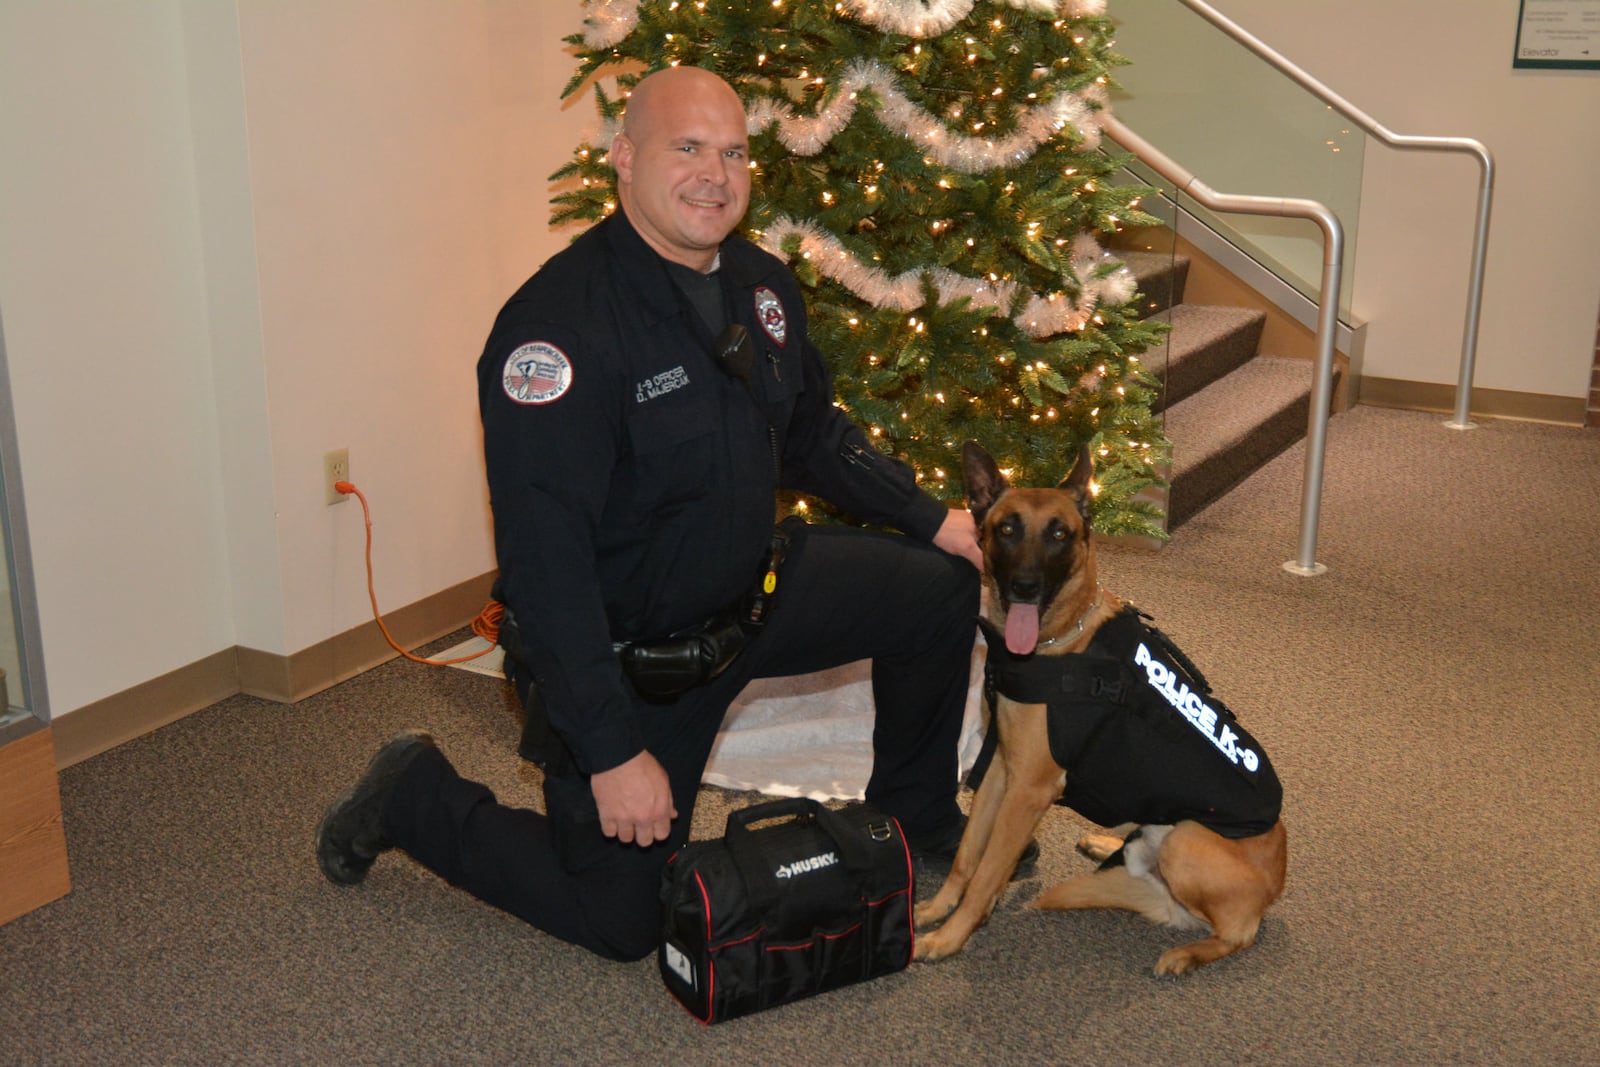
point(970, 155)
point(1044, 316)
point(808, 135)
point(609, 21)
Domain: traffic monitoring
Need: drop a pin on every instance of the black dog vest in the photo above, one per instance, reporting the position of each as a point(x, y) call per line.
point(1141, 737)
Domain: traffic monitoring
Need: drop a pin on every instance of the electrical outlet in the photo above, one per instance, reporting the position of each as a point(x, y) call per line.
point(335, 468)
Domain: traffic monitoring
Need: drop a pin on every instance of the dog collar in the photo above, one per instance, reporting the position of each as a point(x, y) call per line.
point(1077, 629)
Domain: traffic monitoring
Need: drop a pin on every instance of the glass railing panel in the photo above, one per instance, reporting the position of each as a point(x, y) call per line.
point(1240, 126)
point(1150, 252)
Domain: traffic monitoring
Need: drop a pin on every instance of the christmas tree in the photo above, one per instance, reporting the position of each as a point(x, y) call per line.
point(931, 171)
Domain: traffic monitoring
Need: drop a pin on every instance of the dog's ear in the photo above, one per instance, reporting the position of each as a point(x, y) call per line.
point(1077, 483)
point(982, 478)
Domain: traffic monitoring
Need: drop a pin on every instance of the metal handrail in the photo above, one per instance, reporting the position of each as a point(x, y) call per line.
point(1327, 312)
point(1469, 341)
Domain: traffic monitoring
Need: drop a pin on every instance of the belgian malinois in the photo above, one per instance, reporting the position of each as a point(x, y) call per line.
point(1193, 847)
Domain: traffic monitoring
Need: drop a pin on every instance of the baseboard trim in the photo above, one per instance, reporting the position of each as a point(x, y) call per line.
point(1487, 403)
point(288, 679)
point(148, 706)
point(132, 713)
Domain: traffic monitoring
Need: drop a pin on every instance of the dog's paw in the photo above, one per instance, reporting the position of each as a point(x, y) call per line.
point(1175, 962)
point(938, 945)
point(929, 914)
point(1099, 847)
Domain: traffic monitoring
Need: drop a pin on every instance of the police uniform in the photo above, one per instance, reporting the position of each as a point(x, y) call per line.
point(1139, 732)
point(632, 479)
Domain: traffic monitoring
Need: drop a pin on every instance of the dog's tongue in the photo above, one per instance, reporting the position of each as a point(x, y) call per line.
point(1022, 628)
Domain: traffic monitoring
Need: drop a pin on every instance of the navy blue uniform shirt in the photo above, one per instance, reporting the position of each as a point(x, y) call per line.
point(633, 481)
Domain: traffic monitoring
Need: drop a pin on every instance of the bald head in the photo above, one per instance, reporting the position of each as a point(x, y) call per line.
point(683, 163)
point(674, 87)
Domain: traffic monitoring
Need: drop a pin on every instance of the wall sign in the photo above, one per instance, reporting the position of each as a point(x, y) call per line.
point(1558, 35)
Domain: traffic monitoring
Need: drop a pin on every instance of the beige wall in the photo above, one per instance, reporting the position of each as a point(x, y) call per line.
point(1443, 67)
point(397, 167)
point(235, 234)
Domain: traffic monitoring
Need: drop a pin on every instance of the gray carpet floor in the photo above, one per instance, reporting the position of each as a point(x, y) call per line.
point(1429, 703)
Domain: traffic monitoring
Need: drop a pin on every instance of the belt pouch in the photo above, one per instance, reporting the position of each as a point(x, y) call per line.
point(667, 670)
point(812, 900)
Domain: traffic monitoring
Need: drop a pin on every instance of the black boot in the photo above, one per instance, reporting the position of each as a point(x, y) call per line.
point(350, 836)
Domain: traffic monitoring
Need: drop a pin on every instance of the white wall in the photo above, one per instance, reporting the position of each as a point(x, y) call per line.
point(1443, 67)
point(103, 285)
point(233, 315)
point(235, 234)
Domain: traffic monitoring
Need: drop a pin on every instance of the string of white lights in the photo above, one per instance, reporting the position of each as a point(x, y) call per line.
point(930, 18)
point(608, 21)
point(1043, 316)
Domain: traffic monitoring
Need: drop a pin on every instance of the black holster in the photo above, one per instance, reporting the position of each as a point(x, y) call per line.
point(540, 744)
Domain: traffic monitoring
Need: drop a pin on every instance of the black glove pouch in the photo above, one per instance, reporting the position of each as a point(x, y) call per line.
point(667, 669)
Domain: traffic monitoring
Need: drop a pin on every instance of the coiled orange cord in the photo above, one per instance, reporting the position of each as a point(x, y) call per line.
point(486, 625)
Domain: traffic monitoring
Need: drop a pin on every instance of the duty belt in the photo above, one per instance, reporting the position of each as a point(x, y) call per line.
point(659, 670)
point(668, 668)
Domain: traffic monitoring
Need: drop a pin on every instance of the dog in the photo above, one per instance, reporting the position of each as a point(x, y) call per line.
point(1193, 849)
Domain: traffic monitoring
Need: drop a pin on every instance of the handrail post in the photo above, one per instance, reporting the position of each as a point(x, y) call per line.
point(1480, 248)
point(1305, 564)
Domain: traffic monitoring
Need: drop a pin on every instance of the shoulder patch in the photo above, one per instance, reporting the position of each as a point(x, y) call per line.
point(536, 373)
point(769, 312)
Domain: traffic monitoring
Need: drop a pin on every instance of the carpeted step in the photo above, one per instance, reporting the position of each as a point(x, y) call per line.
point(1161, 278)
point(1206, 343)
point(1226, 431)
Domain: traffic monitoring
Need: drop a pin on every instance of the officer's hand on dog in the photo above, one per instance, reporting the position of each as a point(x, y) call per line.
point(958, 535)
point(635, 801)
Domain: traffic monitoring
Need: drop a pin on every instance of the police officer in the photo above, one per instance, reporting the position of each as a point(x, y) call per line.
point(643, 398)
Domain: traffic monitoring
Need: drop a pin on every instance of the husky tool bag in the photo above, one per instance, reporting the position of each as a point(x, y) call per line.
point(810, 900)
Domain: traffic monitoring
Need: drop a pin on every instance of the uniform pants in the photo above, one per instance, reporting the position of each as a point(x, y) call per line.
point(846, 595)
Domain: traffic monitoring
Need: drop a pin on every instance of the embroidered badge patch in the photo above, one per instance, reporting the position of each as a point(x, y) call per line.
point(537, 373)
point(769, 312)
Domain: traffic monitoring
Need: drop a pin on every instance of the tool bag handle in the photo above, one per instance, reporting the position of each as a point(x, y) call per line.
point(759, 886)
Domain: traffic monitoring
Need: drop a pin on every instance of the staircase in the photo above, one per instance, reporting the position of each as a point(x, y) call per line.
point(1229, 407)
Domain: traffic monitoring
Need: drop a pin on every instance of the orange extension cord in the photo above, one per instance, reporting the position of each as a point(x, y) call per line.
point(486, 625)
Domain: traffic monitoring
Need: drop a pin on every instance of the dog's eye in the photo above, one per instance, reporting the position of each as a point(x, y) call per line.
point(1059, 533)
point(1008, 528)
